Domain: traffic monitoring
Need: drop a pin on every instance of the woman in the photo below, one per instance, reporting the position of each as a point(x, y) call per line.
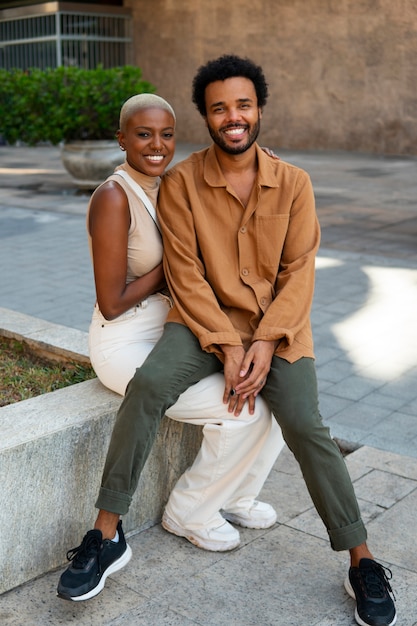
point(237, 453)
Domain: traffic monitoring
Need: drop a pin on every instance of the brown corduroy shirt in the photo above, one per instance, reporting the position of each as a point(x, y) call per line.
point(240, 274)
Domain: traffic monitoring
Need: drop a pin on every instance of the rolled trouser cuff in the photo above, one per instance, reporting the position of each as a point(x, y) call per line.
point(113, 501)
point(348, 537)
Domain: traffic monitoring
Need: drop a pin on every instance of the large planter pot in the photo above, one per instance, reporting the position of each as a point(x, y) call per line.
point(90, 162)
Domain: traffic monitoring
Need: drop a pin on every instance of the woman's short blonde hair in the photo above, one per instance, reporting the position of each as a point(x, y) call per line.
point(142, 101)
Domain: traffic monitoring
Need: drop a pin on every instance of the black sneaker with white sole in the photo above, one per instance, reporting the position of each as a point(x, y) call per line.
point(91, 563)
point(369, 585)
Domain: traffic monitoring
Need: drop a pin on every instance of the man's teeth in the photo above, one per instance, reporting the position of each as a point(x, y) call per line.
point(234, 131)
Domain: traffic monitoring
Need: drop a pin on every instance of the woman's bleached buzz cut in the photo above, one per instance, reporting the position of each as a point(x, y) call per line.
point(142, 101)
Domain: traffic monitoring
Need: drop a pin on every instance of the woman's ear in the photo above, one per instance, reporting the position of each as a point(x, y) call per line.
point(120, 139)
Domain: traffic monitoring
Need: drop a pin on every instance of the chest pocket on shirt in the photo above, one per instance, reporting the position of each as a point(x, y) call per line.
point(270, 233)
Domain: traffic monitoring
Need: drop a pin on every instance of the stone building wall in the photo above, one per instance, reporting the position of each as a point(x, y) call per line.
point(342, 73)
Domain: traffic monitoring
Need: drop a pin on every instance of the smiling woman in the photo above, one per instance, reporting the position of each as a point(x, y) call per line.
point(146, 134)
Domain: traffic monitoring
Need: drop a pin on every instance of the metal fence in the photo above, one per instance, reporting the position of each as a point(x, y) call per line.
point(50, 38)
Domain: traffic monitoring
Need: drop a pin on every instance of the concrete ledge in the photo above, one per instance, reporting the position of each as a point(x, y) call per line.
point(52, 451)
point(51, 340)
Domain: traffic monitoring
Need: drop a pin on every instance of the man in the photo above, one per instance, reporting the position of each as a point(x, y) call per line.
point(240, 236)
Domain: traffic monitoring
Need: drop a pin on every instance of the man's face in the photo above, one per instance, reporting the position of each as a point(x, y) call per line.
point(233, 116)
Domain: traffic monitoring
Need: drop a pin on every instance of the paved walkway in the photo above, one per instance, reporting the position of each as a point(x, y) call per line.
point(366, 343)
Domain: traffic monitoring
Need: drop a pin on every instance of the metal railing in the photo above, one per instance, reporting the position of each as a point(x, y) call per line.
point(55, 34)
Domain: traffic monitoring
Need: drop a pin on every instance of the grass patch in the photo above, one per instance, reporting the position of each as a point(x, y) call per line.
point(25, 375)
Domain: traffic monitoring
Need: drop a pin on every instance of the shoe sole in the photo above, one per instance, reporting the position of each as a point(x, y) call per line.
point(349, 590)
point(245, 523)
point(212, 546)
point(114, 567)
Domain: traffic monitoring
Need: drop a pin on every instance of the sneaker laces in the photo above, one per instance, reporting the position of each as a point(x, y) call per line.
point(376, 579)
point(89, 547)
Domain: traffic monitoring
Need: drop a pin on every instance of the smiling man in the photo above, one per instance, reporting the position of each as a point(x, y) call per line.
point(240, 238)
point(240, 130)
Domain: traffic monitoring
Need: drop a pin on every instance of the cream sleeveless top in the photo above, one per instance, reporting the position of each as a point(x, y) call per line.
point(144, 248)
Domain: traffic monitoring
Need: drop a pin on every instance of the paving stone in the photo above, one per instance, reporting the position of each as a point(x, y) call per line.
point(382, 488)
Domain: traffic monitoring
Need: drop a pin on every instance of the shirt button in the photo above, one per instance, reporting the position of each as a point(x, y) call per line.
point(245, 272)
point(263, 301)
point(243, 229)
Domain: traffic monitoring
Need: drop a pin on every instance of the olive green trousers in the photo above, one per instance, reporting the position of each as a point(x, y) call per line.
point(175, 363)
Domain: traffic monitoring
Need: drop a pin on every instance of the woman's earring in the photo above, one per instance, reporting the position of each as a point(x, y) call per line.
point(122, 148)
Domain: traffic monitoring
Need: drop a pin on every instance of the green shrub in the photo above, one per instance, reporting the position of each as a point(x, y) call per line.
point(65, 104)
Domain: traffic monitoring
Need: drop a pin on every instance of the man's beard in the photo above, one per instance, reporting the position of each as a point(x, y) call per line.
point(219, 141)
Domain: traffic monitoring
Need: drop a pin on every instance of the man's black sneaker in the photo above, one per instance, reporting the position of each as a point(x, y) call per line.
point(369, 585)
point(91, 563)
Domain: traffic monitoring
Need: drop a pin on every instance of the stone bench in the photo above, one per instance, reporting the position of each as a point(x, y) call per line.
point(52, 451)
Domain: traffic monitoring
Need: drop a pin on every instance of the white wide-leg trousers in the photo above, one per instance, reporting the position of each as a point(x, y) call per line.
point(237, 453)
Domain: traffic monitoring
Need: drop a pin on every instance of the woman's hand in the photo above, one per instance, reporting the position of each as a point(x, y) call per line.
point(271, 153)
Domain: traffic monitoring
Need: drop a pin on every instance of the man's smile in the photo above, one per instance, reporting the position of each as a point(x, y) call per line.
point(235, 132)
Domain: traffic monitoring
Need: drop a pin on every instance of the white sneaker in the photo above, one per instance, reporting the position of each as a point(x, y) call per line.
point(220, 539)
point(259, 515)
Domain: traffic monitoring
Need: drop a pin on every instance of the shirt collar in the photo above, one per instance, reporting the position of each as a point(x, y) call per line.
point(267, 176)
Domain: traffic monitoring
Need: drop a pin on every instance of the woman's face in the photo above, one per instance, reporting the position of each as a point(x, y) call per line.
point(149, 140)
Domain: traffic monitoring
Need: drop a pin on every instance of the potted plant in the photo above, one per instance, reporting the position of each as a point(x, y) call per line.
point(76, 108)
